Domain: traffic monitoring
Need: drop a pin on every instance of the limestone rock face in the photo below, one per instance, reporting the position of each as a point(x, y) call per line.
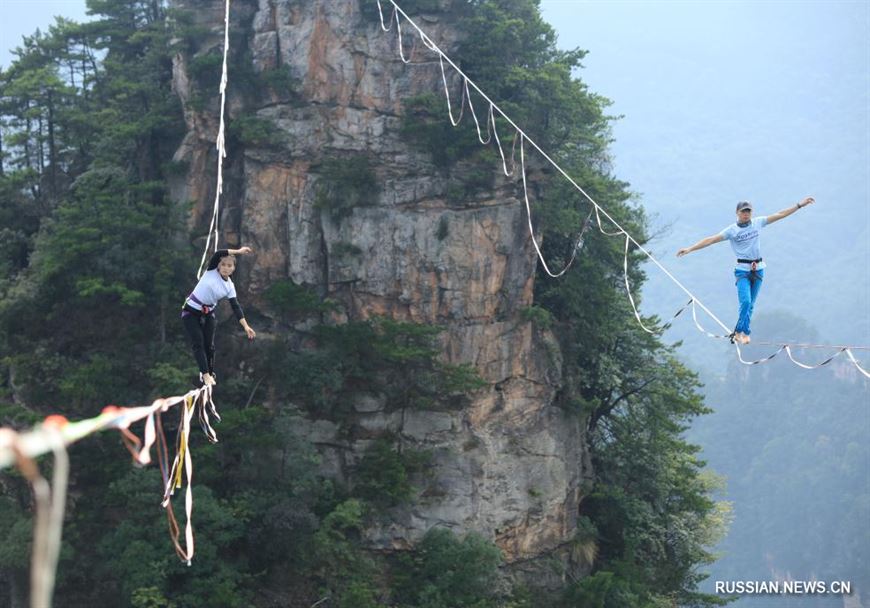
point(509, 466)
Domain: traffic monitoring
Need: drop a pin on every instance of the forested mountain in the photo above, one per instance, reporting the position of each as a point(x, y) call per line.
point(425, 419)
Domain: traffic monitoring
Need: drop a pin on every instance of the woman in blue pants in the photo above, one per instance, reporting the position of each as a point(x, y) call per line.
point(749, 271)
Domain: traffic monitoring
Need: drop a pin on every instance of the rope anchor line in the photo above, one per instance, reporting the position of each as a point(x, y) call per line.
point(220, 141)
point(56, 433)
point(492, 135)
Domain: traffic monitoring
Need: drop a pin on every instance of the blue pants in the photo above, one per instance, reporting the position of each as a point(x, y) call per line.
point(747, 292)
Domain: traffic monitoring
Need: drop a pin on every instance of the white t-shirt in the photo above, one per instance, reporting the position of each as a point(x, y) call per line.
point(746, 241)
point(211, 289)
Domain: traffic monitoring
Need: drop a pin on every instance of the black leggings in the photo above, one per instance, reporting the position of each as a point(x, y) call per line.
point(201, 329)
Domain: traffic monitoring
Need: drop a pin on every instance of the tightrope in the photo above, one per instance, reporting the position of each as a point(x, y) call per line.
point(221, 148)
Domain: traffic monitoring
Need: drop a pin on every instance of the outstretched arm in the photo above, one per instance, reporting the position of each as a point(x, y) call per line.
point(710, 240)
point(240, 315)
point(787, 212)
point(241, 251)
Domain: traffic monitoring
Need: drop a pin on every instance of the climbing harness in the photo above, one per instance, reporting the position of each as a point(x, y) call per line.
point(753, 269)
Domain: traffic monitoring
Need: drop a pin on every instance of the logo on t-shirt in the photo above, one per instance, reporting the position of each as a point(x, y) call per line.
point(745, 235)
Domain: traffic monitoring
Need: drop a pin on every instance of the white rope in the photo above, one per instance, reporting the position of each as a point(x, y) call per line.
point(491, 127)
point(454, 122)
point(804, 365)
point(381, 14)
point(219, 144)
point(41, 591)
point(401, 46)
point(860, 369)
point(489, 118)
point(500, 150)
point(605, 232)
point(628, 289)
point(442, 57)
point(757, 361)
point(445, 57)
point(698, 325)
point(529, 216)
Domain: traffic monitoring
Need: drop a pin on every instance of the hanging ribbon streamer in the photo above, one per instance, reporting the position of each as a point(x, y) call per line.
point(805, 366)
point(500, 150)
point(54, 436)
point(453, 121)
point(628, 288)
point(605, 232)
point(757, 361)
point(183, 461)
point(413, 45)
point(701, 329)
point(489, 118)
point(860, 369)
point(529, 216)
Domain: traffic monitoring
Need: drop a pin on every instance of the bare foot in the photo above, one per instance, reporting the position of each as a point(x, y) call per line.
point(746, 339)
point(208, 380)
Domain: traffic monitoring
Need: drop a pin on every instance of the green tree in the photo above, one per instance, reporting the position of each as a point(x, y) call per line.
point(445, 571)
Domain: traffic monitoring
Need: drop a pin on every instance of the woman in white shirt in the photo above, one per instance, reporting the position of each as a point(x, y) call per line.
point(198, 316)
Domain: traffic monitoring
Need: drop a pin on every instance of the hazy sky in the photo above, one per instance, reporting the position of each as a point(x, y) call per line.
point(22, 17)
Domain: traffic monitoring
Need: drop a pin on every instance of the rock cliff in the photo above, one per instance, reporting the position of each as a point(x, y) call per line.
point(510, 466)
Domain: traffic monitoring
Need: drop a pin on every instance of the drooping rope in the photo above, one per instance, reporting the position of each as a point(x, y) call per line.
point(531, 228)
point(56, 433)
point(396, 18)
